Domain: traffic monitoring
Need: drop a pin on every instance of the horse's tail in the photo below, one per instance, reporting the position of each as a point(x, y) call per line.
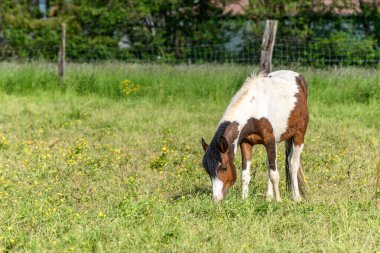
point(300, 175)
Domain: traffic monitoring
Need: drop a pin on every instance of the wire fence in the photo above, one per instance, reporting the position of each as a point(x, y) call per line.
point(317, 52)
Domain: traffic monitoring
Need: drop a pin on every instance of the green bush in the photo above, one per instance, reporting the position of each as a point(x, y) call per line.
point(187, 31)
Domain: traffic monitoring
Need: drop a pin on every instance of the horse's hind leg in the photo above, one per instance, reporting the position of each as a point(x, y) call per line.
point(294, 148)
point(274, 176)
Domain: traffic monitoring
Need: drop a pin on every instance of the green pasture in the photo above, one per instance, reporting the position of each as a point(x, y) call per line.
point(109, 161)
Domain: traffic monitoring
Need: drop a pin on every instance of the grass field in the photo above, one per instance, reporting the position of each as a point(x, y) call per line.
point(110, 162)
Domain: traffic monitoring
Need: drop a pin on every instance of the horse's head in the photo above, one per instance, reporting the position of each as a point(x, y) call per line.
point(219, 164)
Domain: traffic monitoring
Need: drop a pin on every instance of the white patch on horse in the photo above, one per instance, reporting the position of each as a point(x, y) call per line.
point(271, 97)
point(245, 179)
point(274, 177)
point(217, 189)
point(295, 162)
point(270, 194)
point(273, 180)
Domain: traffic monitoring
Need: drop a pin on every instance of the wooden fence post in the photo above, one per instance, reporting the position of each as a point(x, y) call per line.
point(267, 45)
point(62, 55)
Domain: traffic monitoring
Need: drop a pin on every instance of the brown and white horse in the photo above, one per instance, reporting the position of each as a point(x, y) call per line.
point(266, 110)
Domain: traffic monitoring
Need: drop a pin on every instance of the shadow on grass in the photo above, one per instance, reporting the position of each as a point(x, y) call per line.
point(191, 193)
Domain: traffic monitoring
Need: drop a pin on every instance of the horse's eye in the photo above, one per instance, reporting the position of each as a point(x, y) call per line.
point(223, 167)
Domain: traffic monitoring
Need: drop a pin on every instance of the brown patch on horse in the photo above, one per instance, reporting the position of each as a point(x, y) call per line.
point(227, 175)
point(246, 152)
point(299, 116)
point(257, 131)
point(254, 139)
point(231, 134)
point(260, 131)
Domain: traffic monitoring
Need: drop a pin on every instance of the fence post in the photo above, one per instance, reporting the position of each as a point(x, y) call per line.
point(62, 55)
point(267, 45)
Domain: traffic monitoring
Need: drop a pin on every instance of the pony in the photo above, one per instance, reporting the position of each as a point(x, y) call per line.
point(268, 109)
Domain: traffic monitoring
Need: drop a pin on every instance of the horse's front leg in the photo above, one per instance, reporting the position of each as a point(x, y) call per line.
point(274, 176)
point(246, 151)
point(270, 194)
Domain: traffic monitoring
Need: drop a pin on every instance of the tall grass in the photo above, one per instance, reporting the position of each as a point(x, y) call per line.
point(191, 82)
point(190, 85)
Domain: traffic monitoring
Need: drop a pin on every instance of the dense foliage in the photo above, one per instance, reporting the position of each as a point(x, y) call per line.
point(178, 29)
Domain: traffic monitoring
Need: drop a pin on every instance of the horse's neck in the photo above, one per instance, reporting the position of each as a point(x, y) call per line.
point(230, 131)
point(238, 112)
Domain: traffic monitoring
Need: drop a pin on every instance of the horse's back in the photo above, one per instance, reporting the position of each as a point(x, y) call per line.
point(273, 97)
point(291, 78)
point(283, 73)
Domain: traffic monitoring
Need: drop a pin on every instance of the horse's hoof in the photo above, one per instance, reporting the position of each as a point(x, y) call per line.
point(297, 199)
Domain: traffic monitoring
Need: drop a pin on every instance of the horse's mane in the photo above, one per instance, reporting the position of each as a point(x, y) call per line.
point(251, 80)
point(256, 73)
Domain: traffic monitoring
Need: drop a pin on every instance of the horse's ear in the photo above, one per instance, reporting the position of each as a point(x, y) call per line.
point(223, 144)
point(204, 145)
